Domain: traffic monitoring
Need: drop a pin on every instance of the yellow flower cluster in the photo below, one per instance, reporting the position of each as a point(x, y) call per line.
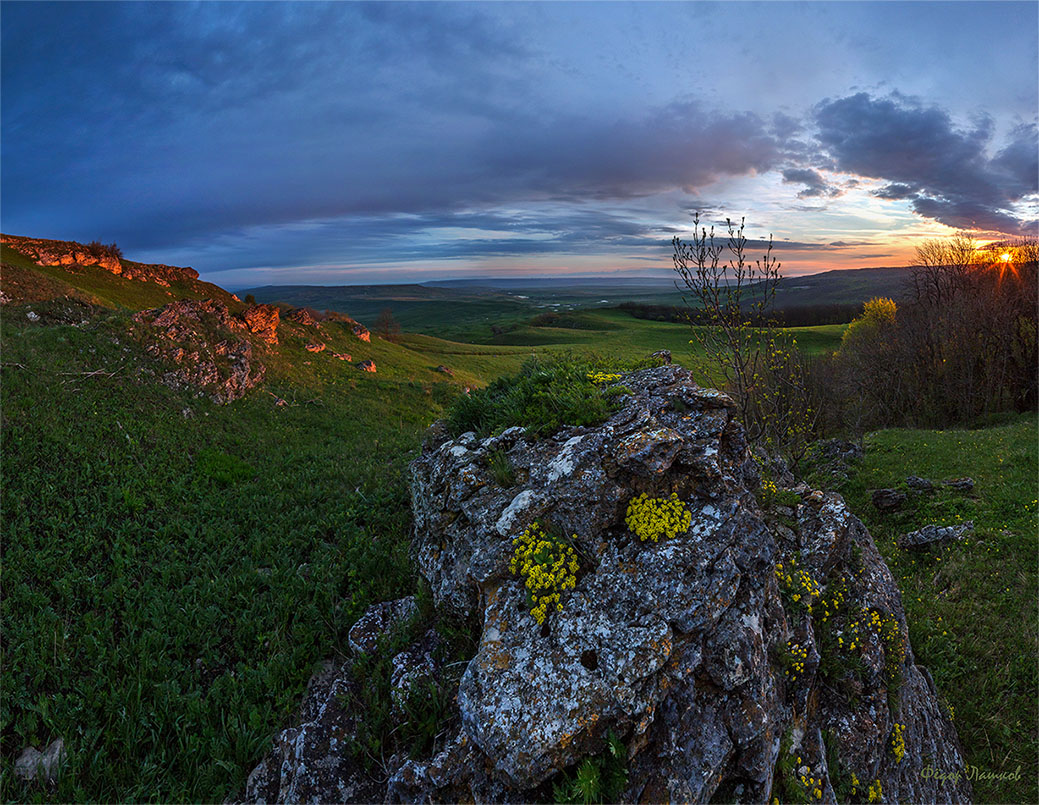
point(854, 784)
point(797, 583)
point(653, 518)
point(548, 567)
point(796, 657)
point(602, 377)
point(876, 792)
point(887, 627)
point(812, 786)
point(831, 604)
point(898, 742)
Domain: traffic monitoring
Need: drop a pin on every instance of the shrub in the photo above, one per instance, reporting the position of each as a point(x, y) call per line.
point(735, 298)
point(543, 397)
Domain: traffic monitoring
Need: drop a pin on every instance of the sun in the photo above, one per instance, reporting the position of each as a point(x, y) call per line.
point(1005, 257)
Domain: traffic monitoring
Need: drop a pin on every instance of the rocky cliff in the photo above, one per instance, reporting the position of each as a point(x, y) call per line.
point(631, 591)
point(70, 253)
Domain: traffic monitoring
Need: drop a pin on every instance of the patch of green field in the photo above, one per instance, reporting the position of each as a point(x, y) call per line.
point(971, 607)
point(173, 569)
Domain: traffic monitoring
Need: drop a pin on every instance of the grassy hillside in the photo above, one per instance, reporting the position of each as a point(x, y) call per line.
point(174, 570)
point(971, 606)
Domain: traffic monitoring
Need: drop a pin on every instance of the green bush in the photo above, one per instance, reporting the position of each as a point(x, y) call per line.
point(543, 397)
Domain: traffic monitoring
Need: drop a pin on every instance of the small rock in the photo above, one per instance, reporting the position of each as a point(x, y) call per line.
point(303, 316)
point(920, 484)
point(187, 413)
point(662, 355)
point(413, 666)
point(888, 500)
point(960, 484)
point(377, 621)
point(361, 332)
point(32, 315)
point(367, 366)
point(934, 534)
point(316, 347)
point(445, 370)
point(31, 762)
point(343, 356)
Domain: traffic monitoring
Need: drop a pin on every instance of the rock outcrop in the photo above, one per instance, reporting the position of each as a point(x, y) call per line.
point(69, 253)
point(262, 321)
point(367, 366)
point(756, 654)
point(302, 315)
point(198, 339)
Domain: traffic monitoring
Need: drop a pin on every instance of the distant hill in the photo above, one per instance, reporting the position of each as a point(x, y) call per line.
point(842, 286)
point(458, 308)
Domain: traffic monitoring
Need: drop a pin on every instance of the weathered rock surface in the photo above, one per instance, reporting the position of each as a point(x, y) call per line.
point(934, 535)
point(960, 484)
point(343, 356)
point(45, 766)
point(919, 484)
point(361, 331)
point(367, 366)
point(683, 648)
point(379, 620)
point(317, 346)
point(888, 500)
point(69, 253)
point(262, 320)
point(199, 339)
point(302, 315)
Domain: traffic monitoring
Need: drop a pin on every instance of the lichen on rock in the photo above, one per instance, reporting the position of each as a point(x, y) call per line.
point(679, 647)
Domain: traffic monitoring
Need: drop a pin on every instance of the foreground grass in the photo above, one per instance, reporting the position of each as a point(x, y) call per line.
point(971, 607)
point(173, 569)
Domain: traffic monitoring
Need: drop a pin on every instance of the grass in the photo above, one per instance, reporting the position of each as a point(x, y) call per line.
point(173, 570)
point(971, 606)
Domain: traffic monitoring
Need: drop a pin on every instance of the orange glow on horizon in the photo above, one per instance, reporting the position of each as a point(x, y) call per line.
point(1005, 257)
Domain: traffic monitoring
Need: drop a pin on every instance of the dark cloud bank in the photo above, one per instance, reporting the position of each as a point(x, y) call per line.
point(172, 126)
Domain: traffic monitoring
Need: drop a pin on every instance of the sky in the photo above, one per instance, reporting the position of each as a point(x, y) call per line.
point(345, 143)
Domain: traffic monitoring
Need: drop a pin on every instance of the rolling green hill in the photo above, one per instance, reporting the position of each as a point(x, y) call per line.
point(175, 569)
point(466, 310)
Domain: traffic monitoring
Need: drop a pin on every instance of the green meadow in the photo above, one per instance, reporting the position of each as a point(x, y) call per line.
point(175, 570)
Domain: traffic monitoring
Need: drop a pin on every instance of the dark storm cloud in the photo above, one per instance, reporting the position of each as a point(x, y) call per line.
point(815, 184)
point(895, 191)
point(924, 156)
point(160, 125)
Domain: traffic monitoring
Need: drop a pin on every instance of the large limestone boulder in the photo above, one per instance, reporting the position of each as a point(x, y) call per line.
point(736, 659)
